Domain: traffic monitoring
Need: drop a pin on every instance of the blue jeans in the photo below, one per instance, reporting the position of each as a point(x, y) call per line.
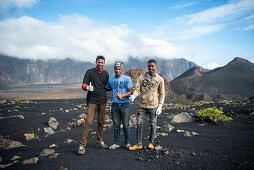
point(141, 115)
point(121, 114)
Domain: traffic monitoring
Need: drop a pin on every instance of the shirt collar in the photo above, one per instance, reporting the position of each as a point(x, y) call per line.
point(99, 71)
point(150, 77)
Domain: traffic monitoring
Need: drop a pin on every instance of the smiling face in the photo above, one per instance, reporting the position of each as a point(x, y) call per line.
point(152, 67)
point(118, 71)
point(100, 63)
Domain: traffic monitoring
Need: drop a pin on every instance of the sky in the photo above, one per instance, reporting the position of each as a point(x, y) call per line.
point(210, 33)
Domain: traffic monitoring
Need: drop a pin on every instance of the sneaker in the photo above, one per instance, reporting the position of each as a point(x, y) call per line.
point(128, 145)
point(81, 150)
point(114, 146)
point(150, 146)
point(101, 145)
point(135, 147)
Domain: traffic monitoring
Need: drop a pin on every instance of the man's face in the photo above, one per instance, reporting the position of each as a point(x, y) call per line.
point(118, 71)
point(152, 67)
point(100, 63)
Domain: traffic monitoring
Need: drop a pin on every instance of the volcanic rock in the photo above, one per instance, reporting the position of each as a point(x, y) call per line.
point(182, 117)
point(167, 127)
point(49, 130)
point(30, 161)
point(9, 164)
point(46, 152)
point(15, 157)
point(53, 123)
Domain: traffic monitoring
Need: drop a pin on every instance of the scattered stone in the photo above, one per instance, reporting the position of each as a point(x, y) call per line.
point(9, 164)
point(107, 119)
point(195, 133)
point(21, 117)
point(183, 117)
point(77, 123)
point(29, 136)
point(49, 130)
point(54, 156)
point(14, 144)
point(46, 152)
point(140, 159)
point(53, 123)
point(82, 116)
point(53, 146)
point(161, 134)
point(194, 154)
point(167, 127)
point(43, 113)
point(158, 148)
point(15, 157)
point(179, 131)
point(68, 141)
point(30, 161)
point(186, 133)
point(93, 133)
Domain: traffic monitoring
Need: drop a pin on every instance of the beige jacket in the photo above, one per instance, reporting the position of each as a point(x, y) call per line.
point(152, 91)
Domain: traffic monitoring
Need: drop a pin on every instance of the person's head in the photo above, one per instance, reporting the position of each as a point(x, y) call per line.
point(118, 67)
point(152, 66)
point(100, 61)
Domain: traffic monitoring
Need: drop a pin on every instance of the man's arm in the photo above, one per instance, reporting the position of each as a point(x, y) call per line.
point(86, 81)
point(161, 92)
point(119, 96)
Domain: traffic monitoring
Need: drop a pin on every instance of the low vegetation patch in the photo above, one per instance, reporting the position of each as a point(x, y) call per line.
point(212, 114)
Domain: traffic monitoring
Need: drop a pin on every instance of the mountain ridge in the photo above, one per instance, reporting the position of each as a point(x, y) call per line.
point(232, 81)
point(16, 71)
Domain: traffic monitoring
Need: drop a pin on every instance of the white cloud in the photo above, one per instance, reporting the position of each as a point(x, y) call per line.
point(207, 21)
point(78, 37)
point(182, 5)
point(18, 3)
point(228, 11)
point(212, 66)
point(249, 27)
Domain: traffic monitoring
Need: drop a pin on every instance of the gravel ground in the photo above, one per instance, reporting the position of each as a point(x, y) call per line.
point(227, 146)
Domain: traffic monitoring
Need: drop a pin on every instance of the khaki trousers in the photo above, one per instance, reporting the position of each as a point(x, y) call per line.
point(92, 109)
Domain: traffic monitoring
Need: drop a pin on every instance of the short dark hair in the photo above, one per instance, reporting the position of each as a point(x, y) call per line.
point(100, 57)
point(152, 61)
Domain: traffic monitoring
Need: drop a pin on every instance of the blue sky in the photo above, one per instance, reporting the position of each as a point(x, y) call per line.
point(210, 33)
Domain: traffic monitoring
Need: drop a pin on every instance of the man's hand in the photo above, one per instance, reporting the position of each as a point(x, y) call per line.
point(119, 96)
point(132, 98)
point(90, 87)
point(158, 111)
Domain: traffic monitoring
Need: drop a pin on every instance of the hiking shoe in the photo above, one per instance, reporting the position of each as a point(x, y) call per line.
point(135, 147)
point(81, 150)
point(128, 145)
point(114, 146)
point(101, 145)
point(150, 146)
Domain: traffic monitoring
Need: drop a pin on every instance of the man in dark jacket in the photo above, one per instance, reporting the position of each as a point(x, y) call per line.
point(94, 82)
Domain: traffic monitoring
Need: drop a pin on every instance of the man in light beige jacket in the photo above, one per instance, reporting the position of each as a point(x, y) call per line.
point(150, 86)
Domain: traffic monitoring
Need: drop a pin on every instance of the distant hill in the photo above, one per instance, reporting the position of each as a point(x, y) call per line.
point(16, 71)
point(232, 81)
